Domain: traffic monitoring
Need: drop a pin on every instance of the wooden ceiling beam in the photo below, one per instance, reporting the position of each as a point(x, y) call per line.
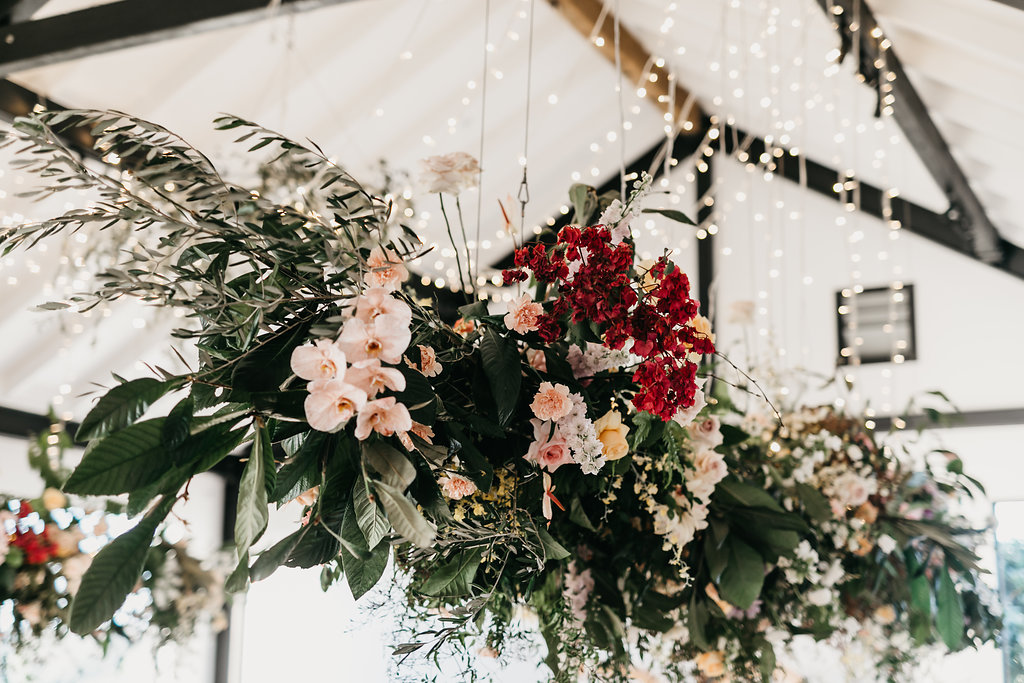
point(129, 23)
point(639, 66)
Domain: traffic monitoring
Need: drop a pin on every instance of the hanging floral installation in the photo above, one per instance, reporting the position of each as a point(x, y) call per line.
point(561, 457)
point(47, 544)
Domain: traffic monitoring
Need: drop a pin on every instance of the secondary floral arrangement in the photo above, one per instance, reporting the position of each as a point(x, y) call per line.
point(47, 545)
point(558, 456)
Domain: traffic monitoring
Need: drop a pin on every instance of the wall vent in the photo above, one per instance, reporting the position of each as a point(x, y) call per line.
point(876, 325)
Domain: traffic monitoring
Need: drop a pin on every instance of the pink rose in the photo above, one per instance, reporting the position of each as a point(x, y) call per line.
point(456, 486)
point(552, 401)
point(332, 403)
point(321, 360)
point(386, 339)
point(522, 314)
point(548, 451)
point(377, 301)
point(373, 378)
point(384, 416)
point(710, 465)
point(707, 433)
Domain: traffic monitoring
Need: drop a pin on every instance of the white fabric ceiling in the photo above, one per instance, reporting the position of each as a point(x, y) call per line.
point(403, 79)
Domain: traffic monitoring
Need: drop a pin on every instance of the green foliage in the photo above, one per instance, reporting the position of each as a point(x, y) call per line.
point(114, 572)
point(122, 405)
point(503, 369)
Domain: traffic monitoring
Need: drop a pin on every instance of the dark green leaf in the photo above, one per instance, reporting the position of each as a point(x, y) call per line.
point(178, 422)
point(677, 216)
point(267, 366)
point(251, 512)
point(363, 567)
point(716, 557)
point(114, 572)
point(124, 461)
point(394, 467)
point(473, 311)
point(815, 502)
point(404, 516)
point(949, 612)
point(122, 405)
point(735, 492)
point(454, 577)
point(552, 549)
point(274, 556)
point(418, 396)
point(370, 518)
point(577, 514)
point(302, 471)
point(743, 575)
point(504, 372)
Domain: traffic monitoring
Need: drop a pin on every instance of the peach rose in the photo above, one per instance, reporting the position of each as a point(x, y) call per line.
point(711, 664)
point(386, 339)
point(384, 416)
point(332, 403)
point(522, 314)
point(612, 435)
point(385, 269)
point(867, 512)
point(449, 173)
point(373, 378)
point(552, 401)
point(456, 486)
point(322, 359)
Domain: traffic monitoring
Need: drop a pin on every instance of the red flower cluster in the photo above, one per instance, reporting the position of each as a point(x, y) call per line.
point(595, 284)
point(37, 547)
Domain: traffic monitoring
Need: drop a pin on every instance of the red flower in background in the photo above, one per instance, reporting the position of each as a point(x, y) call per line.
point(595, 285)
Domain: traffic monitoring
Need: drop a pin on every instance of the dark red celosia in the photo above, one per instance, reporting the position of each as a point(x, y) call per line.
point(37, 547)
point(595, 285)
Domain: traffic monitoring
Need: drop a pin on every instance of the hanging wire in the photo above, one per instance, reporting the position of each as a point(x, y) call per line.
point(622, 106)
point(524, 187)
point(480, 156)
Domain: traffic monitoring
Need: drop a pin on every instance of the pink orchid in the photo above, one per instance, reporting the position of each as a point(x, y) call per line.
point(386, 338)
point(321, 360)
point(332, 403)
point(377, 301)
point(384, 416)
point(386, 269)
point(373, 378)
point(548, 498)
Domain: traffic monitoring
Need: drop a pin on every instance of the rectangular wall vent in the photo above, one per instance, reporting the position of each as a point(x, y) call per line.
point(876, 325)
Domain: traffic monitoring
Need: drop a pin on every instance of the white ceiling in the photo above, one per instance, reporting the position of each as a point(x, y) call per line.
point(403, 79)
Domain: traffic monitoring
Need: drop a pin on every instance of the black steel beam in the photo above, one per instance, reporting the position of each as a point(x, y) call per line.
point(16, 100)
point(1015, 4)
point(706, 246)
point(21, 424)
point(912, 115)
point(128, 23)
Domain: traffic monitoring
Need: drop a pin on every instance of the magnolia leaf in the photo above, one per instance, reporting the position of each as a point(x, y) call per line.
point(251, 513)
point(369, 516)
point(114, 572)
point(267, 366)
point(238, 580)
point(743, 575)
point(274, 556)
point(815, 502)
point(122, 405)
point(404, 516)
point(578, 515)
point(396, 469)
point(697, 622)
point(553, 550)
point(124, 461)
point(363, 567)
point(677, 216)
point(503, 369)
point(473, 311)
point(178, 422)
point(301, 471)
point(716, 557)
point(419, 396)
point(455, 577)
point(949, 612)
point(737, 493)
